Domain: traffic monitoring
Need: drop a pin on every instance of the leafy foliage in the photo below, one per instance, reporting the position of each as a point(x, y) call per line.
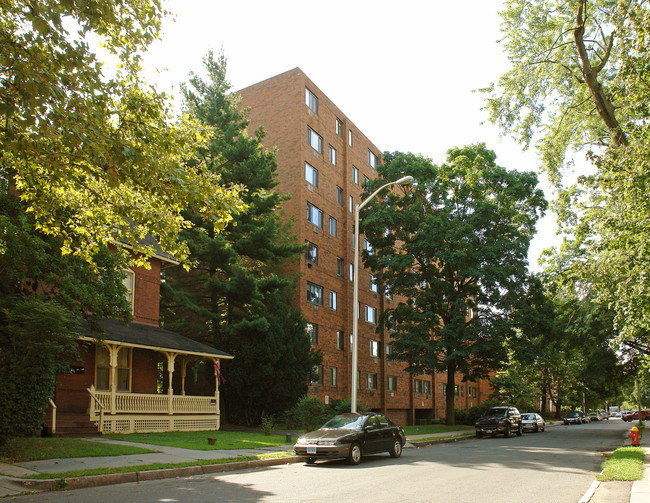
point(104, 150)
point(453, 244)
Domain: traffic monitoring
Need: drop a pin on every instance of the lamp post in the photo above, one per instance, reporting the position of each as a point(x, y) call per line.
point(406, 180)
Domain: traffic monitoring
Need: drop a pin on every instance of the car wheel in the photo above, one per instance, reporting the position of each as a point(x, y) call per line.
point(396, 450)
point(535, 429)
point(355, 454)
point(543, 428)
point(520, 431)
point(311, 461)
point(507, 433)
point(479, 434)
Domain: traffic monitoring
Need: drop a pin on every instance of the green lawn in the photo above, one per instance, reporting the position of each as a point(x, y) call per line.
point(434, 428)
point(198, 440)
point(37, 448)
point(626, 463)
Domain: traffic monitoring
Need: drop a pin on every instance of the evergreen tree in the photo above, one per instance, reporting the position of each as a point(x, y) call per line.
point(236, 296)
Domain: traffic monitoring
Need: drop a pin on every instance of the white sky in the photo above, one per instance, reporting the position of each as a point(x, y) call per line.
point(403, 72)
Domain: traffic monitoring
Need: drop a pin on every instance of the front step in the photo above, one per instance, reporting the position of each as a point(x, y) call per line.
point(71, 424)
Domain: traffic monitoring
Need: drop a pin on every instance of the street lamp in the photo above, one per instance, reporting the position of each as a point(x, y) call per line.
point(406, 180)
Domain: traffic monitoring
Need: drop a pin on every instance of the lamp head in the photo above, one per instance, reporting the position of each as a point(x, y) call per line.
point(405, 180)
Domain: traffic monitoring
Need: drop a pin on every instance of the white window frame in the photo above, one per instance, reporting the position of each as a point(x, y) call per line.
point(374, 349)
point(129, 277)
point(311, 100)
point(315, 213)
point(372, 159)
point(334, 377)
point(311, 174)
point(333, 226)
point(355, 174)
point(371, 381)
point(332, 154)
point(339, 195)
point(393, 380)
point(350, 137)
point(314, 140)
point(311, 253)
point(374, 286)
point(350, 204)
point(371, 314)
point(314, 294)
point(312, 332)
point(339, 127)
point(333, 300)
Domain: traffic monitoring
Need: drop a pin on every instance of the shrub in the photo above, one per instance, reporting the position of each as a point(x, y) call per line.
point(308, 414)
point(267, 425)
point(344, 406)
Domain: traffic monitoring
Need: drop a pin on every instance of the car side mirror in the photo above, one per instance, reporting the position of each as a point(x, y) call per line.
point(370, 427)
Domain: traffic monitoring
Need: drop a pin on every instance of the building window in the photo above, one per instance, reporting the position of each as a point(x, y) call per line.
point(387, 293)
point(312, 332)
point(372, 159)
point(426, 387)
point(371, 314)
point(392, 383)
point(389, 348)
point(462, 391)
point(317, 378)
point(129, 284)
point(340, 340)
point(314, 294)
point(349, 137)
point(311, 101)
point(334, 377)
point(315, 140)
point(456, 392)
point(373, 283)
point(339, 127)
point(350, 204)
point(333, 297)
point(371, 380)
point(419, 386)
point(339, 266)
point(355, 174)
point(332, 226)
point(332, 155)
point(365, 179)
point(368, 247)
point(374, 349)
point(311, 253)
point(311, 174)
point(102, 366)
point(351, 272)
point(444, 390)
point(315, 215)
point(339, 195)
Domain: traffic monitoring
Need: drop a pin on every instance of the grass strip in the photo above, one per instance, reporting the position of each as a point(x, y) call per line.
point(198, 440)
point(428, 439)
point(156, 466)
point(37, 448)
point(626, 463)
point(434, 428)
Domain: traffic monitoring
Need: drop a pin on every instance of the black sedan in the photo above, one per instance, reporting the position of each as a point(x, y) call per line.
point(350, 436)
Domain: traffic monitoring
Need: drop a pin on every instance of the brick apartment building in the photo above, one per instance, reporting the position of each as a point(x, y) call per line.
point(323, 159)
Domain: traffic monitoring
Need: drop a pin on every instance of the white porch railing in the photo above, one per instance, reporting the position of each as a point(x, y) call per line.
point(138, 403)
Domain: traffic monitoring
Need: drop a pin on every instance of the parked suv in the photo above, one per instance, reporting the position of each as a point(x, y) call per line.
point(501, 419)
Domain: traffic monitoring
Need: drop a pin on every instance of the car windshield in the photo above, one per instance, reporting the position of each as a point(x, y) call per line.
point(528, 416)
point(350, 422)
point(496, 411)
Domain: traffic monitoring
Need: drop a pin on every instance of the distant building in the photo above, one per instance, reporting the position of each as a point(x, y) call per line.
point(323, 159)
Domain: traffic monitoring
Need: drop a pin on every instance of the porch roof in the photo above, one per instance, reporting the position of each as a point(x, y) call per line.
point(149, 337)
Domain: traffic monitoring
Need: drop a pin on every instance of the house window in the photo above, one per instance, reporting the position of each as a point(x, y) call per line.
point(317, 377)
point(129, 284)
point(339, 127)
point(315, 140)
point(374, 349)
point(371, 314)
point(339, 195)
point(311, 174)
point(355, 174)
point(311, 253)
point(339, 266)
point(102, 366)
point(332, 155)
point(373, 283)
point(312, 332)
point(351, 204)
point(340, 340)
point(349, 137)
point(392, 383)
point(332, 226)
point(314, 294)
point(315, 215)
point(333, 297)
point(371, 380)
point(311, 101)
point(372, 159)
point(334, 377)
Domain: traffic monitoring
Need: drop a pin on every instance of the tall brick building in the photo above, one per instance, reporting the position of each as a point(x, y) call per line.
point(323, 159)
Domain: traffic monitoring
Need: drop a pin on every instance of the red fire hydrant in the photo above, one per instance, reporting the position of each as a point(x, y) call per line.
point(634, 435)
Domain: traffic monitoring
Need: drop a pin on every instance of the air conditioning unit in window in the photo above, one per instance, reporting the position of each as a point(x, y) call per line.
point(310, 187)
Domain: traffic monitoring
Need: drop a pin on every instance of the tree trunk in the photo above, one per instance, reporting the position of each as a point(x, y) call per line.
point(451, 394)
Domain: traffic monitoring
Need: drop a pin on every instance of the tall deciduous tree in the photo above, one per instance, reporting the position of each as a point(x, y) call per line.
point(106, 149)
point(455, 245)
point(237, 297)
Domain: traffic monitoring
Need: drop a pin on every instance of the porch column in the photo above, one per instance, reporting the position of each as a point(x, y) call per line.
point(112, 361)
point(171, 357)
point(216, 384)
point(183, 374)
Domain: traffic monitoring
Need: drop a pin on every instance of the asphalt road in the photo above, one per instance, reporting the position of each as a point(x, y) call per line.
point(555, 466)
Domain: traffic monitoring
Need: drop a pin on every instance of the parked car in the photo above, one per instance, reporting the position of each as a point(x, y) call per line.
point(533, 422)
point(572, 418)
point(593, 416)
point(634, 415)
point(584, 417)
point(351, 436)
point(496, 420)
point(603, 416)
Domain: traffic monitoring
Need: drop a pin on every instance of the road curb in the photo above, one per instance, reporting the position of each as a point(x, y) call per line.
point(36, 485)
point(427, 443)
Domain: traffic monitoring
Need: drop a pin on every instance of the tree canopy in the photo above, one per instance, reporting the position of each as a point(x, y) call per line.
point(455, 246)
point(96, 156)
